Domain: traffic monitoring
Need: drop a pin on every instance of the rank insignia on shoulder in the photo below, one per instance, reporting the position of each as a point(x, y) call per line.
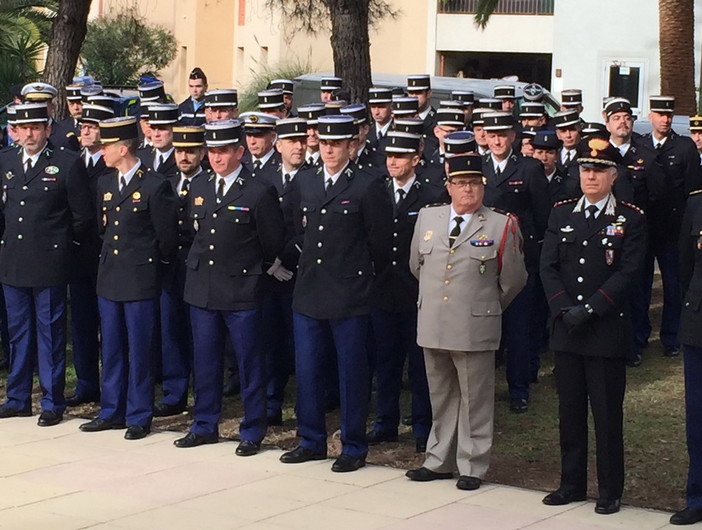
point(478, 242)
point(107, 196)
point(51, 170)
point(567, 201)
point(427, 235)
point(136, 196)
point(433, 204)
point(567, 229)
point(199, 201)
point(632, 206)
point(9, 175)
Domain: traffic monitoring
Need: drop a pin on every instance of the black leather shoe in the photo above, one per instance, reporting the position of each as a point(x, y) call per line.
point(347, 463)
point(162, 410)
point(376, 437)
point(49, 418)
point(518, 405)
point(98, 424)
point(7, 412)
point(420, 445)
point(562, 497)
point(423, 474)
point(248, 448)
point(301, 454)
point(275, 419)
point(76, 400)
point(635, 362)
point(686, 516)
point(671, 351)
point(468, 483)
point(193, 440)
point(607, 506)
point(136, 432)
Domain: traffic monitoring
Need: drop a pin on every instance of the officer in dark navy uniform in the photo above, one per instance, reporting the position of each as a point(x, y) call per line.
point(162, 118)
point(45, 93)
point(419, 86)
point(363, 154)
point(288, 89)
point(272, 101)
point(221, 104)
point(517, 185)
point(311, 114)
point(192, 111)
point(328, 86)
point(676, 173)
point(176, 338)
point(138, 221)
point(259, 129)
point(46, 207)
point(239, 232)
point(468, 99)
point(506, 95)
point(479, 131)
point(347, 222)
point(592, 249)
point(426, 172)
point(546, 146)
point(85, 318)
point(74, 102)
point(568, 126)
point(448, 120)
point(394, 314)
point(380, 103)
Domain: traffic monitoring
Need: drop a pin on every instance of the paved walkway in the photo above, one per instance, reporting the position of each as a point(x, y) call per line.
point(61, 478)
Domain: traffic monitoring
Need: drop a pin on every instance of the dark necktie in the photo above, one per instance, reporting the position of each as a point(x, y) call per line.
point(122, 183)
point(456, 230)
point(185, 187)
point(567, 159)
point(498, 171)
point(591, 217)
point(310, 161)
point(328, 184)
point(257, 165)
point(220, 189)
point(286, 181)
point(659, 146)
point(90, 164)
point(400, 195)
point(28, 166)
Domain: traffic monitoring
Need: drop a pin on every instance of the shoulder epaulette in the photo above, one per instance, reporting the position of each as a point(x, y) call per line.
point(433, 204)
point(631, 206)
point(696, 192)
point(566, 201)
point(498, 210)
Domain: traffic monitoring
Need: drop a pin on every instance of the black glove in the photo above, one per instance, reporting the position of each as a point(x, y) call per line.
point(576, 316)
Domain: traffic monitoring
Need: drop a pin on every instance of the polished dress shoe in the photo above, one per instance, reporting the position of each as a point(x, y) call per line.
point(671, 351)
point(377, 437)
point(136, 432)
point(301, 454)
point(518, 405)
point(162, 410)
point(49, 418)
point(607, 506)
point(423, 474)
point(76, 400)
point(686, 516)
point(275, 419)
point(193, 440)
point(98, 424)
point(561, 497)
point(347, 463)
point(248, 448)
point(7, 412)
point(635, 362)
point(468, 483)
point(420, 445)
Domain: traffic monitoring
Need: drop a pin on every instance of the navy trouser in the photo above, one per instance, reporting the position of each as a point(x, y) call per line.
point(518, 335)
point(278, 346)
point(37, 326)
point(315, 341)
point(395, 341)
point(209, 328)
point(127, 378)
point(85, 325)
point(693, 423)
point(176, 348)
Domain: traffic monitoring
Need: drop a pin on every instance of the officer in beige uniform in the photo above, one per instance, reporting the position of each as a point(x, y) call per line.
point(470, 266)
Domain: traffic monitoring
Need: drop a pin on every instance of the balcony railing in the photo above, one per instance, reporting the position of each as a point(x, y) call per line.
point(504, 7)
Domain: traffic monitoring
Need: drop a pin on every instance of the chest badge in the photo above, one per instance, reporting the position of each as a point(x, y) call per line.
point(136, 196)
point(9, 175)
point(51, 170)
point(609, 256)
point(428, 235)
point(567, 229)
point(199, 201)
point(107, 196)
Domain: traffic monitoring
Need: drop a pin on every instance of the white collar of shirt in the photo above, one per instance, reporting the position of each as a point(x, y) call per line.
point(228, 179)
point(264, 159)
point(700, 153)
point(129, 174)
point(657, 141)
point(466, 219)
point(406, 188)
point(292, 173)
point(500, 165)
point(624, 148)
point(183, 178)
point(335, 176)
point(314, 156)
point(360, 152)
point(382, 131)
point(163, 155)
point(95, 157)
point(550, 177)
point(33, 158)
point(425, 112)
point(483, 150)
point(564, 154)
point(600, 205)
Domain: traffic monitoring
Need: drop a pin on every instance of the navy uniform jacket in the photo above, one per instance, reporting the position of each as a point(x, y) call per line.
point(236, 241)
point(371, 161)
point(430, 140)
point(592, 265)
point(188, 116)
point(64, 136)
point(378, 144)
point(139, 231)
point(396, 289)
point(641, 165)
point(522, 190)
point(345, 241)
point(268, 169)
point(555, 187)
point(70, 124)
point(431, 173)
point(167, 168)
point(44, 213)
point(691, 271)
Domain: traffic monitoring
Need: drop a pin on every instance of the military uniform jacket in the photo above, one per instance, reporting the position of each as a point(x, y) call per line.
point(691, 271)
point(396, 288)
point(522, 190)
point(63, 135)
point(345, 239)
point(267, 170)
point(44, 211)
point(593, 265)
point(431, 173)
point(187, 114)
point(236, 241)
point(139, 231)
point(464, 289)
point(70, 124)
point(167, 168)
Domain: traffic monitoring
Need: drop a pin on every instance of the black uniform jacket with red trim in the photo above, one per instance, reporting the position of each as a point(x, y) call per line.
point(593, 264)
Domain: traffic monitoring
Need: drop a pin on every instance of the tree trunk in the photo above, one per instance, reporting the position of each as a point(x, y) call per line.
point(677, 53)
point(351, 45)
point(67, 34)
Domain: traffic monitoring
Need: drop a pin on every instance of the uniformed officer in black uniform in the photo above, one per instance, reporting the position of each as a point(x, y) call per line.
point(328, 86)
point(176, 338)
point(380, 103)
point(311, 114)
point(468, 99)
point(261, 157)
point(479, 131)
point(138, 221)
point(192, 111)
point(74, 102)
point(517, 185)
point(448, 120)
point(85, 318)
point(419, 86)
point(347, 220)
point(365, 156)
point(394, 313)
point(426, 172)
point(591, 252)
point(46, 207)
point(506, 95)
point(272, 101)
point(546, 146)
point(568, 125)
point(221, 104)
point(239, 232)
point(162, 118)
point(61, 136)
point(287, 86)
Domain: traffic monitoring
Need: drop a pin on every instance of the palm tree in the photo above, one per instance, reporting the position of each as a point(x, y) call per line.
point(676, 21)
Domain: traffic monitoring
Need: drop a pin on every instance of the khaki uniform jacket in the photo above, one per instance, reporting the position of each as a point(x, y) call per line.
point(463, 290)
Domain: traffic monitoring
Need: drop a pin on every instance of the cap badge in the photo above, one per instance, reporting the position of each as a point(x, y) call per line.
point(596, 145)
point(253, 118)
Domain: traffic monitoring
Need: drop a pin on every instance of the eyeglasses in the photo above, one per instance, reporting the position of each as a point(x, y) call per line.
point(462, 184)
